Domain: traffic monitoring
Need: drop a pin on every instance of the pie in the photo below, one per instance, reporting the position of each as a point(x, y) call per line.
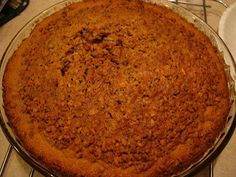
point(116, 88)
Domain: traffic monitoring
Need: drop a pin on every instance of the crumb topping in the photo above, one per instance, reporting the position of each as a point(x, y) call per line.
point(124, 83)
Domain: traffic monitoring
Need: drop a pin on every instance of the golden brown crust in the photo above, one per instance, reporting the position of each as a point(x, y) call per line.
point(116, 88)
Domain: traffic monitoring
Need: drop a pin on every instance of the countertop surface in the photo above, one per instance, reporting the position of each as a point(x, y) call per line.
point(224, 165)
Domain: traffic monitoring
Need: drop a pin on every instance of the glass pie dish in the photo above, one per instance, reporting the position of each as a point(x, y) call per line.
point(229, 68)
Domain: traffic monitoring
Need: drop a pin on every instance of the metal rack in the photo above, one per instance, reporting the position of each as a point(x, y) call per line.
point(203, 6)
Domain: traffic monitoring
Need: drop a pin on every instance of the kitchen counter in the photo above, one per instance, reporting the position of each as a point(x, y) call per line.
point(224, 165)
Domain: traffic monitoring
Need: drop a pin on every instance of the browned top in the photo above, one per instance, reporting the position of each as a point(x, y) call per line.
point(116, 88)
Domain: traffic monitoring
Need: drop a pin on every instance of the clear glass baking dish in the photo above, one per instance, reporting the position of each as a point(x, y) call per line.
point(230, 69)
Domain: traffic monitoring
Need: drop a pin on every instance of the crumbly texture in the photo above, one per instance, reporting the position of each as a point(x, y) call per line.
point(116, 88)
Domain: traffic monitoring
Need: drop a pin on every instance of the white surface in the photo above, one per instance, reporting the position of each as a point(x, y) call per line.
point(227, 28)
point(224, 165)
point(227, 31)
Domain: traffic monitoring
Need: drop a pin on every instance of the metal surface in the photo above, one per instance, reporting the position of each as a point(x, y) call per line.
point(31, 172)
point(5, 160)
point(211, 172)
point(204, 8)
